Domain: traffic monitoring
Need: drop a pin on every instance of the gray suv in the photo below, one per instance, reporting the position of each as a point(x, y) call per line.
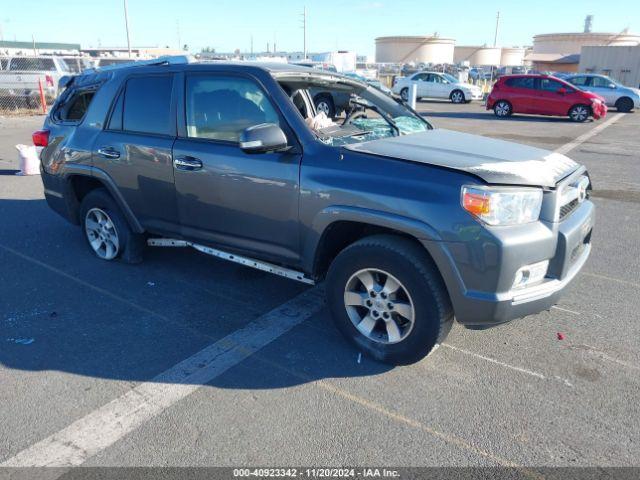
point(409, 227)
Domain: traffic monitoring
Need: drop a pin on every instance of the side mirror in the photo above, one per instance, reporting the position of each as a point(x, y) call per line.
point(562, 90)
point(263, 138)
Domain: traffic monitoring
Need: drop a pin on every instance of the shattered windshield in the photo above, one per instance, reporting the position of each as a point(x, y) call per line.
point(342, 112)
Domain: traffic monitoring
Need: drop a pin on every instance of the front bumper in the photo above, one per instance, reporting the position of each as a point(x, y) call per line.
point(566, 245)
point(599, 110)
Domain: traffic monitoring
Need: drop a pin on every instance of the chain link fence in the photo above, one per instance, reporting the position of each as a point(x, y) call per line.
point(29, 85)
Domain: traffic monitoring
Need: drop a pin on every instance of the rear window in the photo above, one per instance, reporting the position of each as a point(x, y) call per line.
point(520, 82)
point(74, 106)
point(27, 64)
point(147, 105)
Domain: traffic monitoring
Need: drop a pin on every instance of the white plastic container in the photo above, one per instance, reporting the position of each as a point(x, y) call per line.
point(29, 162)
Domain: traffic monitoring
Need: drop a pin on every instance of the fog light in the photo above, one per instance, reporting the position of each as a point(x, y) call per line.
point(530, 274)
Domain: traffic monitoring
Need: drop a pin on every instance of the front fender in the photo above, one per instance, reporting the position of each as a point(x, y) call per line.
point(342, 213)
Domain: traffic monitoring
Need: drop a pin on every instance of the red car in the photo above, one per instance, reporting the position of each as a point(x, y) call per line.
point(544, 95)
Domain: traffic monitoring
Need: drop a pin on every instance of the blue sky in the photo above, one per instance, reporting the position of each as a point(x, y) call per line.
point(349, 24)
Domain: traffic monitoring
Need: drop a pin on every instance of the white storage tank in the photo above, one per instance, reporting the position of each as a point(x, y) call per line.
point(512, 56)
point(477, 55)
point(418, 49)
point(571, 43)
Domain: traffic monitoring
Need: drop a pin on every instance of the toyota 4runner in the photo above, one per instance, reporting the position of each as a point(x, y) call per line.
point(408, 226)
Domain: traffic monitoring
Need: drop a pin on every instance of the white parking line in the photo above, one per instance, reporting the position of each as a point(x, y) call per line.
point(565, 310)
point(567, 147)
point(103, 427)
point(506, 365)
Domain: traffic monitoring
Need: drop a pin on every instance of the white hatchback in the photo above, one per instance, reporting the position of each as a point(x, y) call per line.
point(437, 85)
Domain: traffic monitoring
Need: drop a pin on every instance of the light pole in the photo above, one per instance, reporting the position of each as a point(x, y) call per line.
point(126, 23)
point(304, 32)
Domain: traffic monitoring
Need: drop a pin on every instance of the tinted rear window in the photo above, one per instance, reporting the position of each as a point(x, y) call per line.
point(520, 82)
point(33, 64)
point(147, 105)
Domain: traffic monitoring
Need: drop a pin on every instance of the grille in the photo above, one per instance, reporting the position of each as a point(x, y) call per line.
point(567, 208)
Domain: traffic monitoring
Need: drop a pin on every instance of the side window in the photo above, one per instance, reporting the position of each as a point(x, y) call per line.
point(600, 82)
point(436, 78)
point(115, 122)
point(580, 81)
point(220, 108)
point(421, 77)
point(520, 82)
point(147, 105)
point(549, 85)
point(3, 63)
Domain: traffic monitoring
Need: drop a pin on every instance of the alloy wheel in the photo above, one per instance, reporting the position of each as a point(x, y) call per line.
point(457, 97)
point(379, 306)
point(102, 234)
point(324, 107)
point(502, 109)
point(579, 113)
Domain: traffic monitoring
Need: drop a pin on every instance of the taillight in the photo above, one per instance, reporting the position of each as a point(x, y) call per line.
point(49, 80)
point(40, 138)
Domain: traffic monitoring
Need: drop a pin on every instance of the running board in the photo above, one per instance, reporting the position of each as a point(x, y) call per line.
point(232, 257)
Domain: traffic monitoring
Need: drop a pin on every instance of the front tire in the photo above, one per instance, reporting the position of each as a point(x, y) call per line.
point(106, 230)
point(386, 296)
point(624, 104)
point(457, 96)
point(579, 113)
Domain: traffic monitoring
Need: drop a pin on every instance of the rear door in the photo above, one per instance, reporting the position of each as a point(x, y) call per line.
point(438, 87)
point(135, 149)
point(521, 93)
point(226, 197)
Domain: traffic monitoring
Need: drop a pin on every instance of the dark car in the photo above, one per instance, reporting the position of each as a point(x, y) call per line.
point(408, 226)
point(543, 95)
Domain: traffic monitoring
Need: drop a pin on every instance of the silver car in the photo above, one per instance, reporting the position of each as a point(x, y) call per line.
point(615, 94)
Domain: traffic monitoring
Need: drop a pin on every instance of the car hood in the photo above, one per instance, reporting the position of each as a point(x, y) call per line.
point(494, 161)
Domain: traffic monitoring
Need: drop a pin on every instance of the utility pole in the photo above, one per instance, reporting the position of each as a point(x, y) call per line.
point(304, 32)
point(178, 32)
point(126, 23)
point(495, 37)
point(33, 40)
point(252, 45)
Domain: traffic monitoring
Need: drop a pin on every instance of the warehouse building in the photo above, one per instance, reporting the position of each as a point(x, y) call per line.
point(561, 51)
point(621, 63)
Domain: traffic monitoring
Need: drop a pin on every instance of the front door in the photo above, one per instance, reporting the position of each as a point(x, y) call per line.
point(556, 98)
point(225, 196)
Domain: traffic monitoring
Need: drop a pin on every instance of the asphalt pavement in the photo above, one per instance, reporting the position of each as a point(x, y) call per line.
point(186, 360)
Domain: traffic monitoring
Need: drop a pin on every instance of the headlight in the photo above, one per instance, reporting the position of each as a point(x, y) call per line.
point(502, 205)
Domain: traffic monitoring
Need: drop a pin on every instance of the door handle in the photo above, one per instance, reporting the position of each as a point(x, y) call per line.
point(187, 163)
point(108, 152)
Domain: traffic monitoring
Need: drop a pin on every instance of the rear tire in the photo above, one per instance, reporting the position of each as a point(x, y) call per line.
point(386, 296)
point(404, 94)
point(106, 229)
point(502, 109)
point(579, 113)
point(624, 104)
point(324, 103)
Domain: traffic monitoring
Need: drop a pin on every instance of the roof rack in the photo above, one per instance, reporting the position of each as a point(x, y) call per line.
point(164, 60)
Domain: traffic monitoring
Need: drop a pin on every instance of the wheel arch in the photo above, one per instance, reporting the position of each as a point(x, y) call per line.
point(337, 227)
point(83, 179)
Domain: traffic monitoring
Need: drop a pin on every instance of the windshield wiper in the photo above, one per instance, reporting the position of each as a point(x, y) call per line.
point(383, 114)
